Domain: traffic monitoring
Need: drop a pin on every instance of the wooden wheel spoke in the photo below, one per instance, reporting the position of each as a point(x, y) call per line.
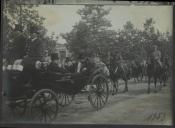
point(51, 110)
point(45, 117)
point(94, 100)
point(40, 114)
point(37, 113)
point(68, 98)
point(97, 102)
point(47, 113)
point(103, 96)
point(44, 105)
point(102, 99)
point(104, 93)
point(65, 99)
point(62, 98)
point(101, 92)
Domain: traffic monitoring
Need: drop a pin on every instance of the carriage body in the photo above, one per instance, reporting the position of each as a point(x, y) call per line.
point(58, 88)
point(16, 85)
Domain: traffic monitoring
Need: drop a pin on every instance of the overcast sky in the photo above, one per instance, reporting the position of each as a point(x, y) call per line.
point(61, 18)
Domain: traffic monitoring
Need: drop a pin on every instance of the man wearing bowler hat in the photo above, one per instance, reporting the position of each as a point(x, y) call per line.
point(53, 66)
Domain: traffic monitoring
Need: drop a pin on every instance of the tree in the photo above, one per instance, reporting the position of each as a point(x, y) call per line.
point(91, 34)
point(24, 32)
point(149, 34)
point(128, 42)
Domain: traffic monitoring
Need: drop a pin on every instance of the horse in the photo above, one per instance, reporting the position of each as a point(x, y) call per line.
point(118, 72)
point(143, 70)
point(138, 70)
point(155, 71)
point(166, 71)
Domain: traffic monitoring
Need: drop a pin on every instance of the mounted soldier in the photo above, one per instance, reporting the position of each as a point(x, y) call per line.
point(157, 55)
point(121, 62)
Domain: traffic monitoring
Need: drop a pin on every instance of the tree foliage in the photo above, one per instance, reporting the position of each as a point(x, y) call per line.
point(24, 32)
point(93, 34)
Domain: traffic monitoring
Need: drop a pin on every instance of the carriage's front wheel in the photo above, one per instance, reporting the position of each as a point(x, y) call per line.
point(98, 92)
point(44, 106)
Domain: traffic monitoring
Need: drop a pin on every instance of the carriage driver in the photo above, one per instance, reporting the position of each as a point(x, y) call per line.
point(157, 55)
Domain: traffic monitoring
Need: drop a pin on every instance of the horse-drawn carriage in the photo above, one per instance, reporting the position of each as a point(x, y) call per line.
point(42, 94)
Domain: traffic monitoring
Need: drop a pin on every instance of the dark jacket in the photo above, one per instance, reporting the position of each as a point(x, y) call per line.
point(53, 67)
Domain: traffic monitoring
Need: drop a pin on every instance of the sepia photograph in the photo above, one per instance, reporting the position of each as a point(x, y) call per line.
point(91, 63)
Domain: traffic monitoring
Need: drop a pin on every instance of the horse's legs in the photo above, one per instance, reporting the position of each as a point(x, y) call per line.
point(126, 85)
point(155, 82)
point(149, 81)
point(165, 78)
point(142, 76)
point(161, 81)
point(135, 79)
point(164, 81)
point(115, 87)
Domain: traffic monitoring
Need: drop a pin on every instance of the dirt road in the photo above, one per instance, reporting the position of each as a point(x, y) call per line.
point(132, 107)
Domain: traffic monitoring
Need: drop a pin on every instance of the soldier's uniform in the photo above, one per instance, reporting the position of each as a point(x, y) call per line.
point(157, 56)
point(121, 62)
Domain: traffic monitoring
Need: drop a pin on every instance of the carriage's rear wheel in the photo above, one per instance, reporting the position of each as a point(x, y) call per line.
point(18, 107)
point(44, 106)
point(65, 99)
point(98, 92)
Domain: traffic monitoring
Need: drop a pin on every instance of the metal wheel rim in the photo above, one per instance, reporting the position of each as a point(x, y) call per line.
point(97, 97)
point(47, 108)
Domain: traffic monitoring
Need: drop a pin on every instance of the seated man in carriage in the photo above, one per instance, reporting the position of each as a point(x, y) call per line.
point(54, 72)
point(46, 60)
point(100, 66)
point(53, 66)
point(68, 64)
